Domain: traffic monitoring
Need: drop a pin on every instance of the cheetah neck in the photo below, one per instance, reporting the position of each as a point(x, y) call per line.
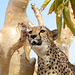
point(50, 56)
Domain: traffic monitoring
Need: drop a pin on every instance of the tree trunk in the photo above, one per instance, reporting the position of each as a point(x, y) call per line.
point(12, 59)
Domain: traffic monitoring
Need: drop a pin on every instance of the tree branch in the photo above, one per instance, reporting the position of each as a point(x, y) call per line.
point(30, 25)
point(13, 39)
point(19, 43)
point(38, 15)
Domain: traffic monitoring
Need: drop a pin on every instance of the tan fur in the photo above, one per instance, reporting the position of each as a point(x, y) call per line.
point(51, 60)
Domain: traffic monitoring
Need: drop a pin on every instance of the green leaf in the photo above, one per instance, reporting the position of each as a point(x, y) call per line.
point(67, 19)
point(73, 6)
point(60, 9)
point(52, 8)
point(59, 25)
point(45, 4)
point(57, 3)
point(66, 2)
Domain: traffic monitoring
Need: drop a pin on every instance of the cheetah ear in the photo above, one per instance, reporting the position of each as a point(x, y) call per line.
point(55, 34)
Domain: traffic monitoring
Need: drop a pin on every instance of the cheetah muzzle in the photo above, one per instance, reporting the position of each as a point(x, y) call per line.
point(39, 42)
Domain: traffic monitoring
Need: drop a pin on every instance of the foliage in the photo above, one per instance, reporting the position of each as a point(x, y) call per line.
point(60, 7)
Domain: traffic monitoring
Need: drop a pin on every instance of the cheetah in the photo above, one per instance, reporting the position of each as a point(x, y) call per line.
point(51, 60)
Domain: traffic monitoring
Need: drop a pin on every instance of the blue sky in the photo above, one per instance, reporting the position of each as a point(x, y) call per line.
point(49, 21)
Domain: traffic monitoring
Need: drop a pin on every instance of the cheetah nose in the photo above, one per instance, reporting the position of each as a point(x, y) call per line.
point(33, 36)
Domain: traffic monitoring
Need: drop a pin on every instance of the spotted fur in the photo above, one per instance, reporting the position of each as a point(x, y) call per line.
point(51, 60)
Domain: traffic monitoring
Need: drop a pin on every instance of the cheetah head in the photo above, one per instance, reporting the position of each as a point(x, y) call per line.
point(40, 38)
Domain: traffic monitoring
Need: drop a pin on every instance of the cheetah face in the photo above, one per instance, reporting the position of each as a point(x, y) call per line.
point(40, 37)
point(37, 36)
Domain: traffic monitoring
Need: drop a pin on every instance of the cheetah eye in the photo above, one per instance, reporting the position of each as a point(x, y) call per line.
point(30, 32)
point(42, 31)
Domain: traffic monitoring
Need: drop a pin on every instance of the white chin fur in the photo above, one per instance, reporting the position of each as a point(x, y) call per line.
point(39, 50)
point(33, 40)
